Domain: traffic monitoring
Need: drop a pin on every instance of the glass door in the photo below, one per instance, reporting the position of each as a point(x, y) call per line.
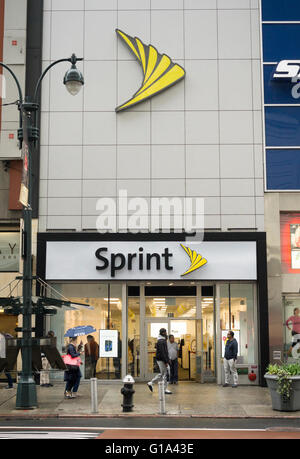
point(184, 332)
point(208, 373)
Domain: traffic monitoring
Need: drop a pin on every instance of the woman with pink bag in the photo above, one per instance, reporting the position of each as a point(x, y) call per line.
point(72, 374)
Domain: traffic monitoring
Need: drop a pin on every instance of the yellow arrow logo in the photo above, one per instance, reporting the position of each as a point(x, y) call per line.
point(158, 70)
point(196, 260)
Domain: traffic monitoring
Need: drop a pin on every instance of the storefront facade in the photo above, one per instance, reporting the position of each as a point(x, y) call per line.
point(191, 139)
point(228, 289)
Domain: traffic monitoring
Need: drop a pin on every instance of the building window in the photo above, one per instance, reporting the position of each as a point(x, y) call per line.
point(237, 314)
point(106, 300)
point(291, 313)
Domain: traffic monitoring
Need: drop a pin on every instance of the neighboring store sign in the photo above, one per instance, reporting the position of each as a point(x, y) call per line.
point(70, 260)
point(287, 70)
point(295, 245)
point(9, 252)
point(159, 72)
point(290, 242)
point(108, 343)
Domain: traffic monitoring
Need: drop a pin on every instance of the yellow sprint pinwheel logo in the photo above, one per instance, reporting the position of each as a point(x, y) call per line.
point(196, 260)
point(159, 71)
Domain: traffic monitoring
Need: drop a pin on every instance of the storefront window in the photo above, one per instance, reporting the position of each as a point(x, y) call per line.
point(106, 314)
point(291, 309)
point(237, 314)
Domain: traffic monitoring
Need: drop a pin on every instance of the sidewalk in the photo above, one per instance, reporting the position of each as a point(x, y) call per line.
point(188, 400)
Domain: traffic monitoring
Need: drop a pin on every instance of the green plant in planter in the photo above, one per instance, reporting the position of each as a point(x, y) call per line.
point(284, 373)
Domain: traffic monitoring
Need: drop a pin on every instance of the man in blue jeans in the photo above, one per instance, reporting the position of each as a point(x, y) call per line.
point(230, 356)
point(10, 384)
point(163, 361)
point(173, 354)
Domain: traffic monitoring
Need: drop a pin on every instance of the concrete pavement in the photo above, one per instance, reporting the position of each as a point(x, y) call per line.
point(188, 400)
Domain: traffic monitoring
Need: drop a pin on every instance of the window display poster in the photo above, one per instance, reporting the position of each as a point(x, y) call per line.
point(108, 343)
point(155, 327)
point(295, 245)
point(290, 242)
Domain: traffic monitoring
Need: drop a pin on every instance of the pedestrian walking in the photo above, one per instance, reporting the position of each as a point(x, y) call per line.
point(295, 321)
point(163, 360)
point(91, 352)
point(173, 354)
point(73, 374)
point(230, 356)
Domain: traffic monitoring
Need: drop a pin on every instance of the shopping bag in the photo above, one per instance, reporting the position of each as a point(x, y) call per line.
point(71, 362)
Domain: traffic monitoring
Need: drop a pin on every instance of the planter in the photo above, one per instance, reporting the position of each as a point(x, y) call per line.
point(279, 402)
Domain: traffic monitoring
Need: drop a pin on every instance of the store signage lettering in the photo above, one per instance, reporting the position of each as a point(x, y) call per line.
point(11, 247)
point(287, 70)
point(145, 261)
point(140, 260)
point(159, 72)
point(9, 251)
point(151, 260)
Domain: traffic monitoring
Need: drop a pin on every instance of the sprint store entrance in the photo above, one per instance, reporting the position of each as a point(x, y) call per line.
point(136, 311)
point(190, 313)
point(133, 288)
point(178, 309)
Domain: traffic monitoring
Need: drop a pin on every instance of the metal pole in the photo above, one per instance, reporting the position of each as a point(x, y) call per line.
point(162, 398)
point(26, 392)
point(28, 132)
point(94, 396)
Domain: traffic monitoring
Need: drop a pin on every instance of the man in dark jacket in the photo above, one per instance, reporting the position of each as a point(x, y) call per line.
point(163, 360)
point(230, 356)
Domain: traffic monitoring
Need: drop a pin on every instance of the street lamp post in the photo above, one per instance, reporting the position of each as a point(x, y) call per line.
point(28, 133)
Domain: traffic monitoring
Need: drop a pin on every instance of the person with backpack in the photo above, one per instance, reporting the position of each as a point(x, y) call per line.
point(163, 361)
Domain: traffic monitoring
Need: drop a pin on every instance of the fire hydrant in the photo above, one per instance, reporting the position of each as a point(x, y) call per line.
point(127, 391)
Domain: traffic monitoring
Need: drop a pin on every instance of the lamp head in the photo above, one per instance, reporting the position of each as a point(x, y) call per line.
point(73, 78)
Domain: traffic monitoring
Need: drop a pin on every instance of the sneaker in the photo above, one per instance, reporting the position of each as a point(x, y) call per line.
point(150, 385)
point(168, 391)
point(8, 387)
point(225, 385)
point(234, 386)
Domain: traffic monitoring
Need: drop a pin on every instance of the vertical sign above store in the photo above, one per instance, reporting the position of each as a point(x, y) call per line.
point(281, 70)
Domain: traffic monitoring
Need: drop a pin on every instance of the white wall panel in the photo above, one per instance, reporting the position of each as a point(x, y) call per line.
point(66, 34)
point(200, 138)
